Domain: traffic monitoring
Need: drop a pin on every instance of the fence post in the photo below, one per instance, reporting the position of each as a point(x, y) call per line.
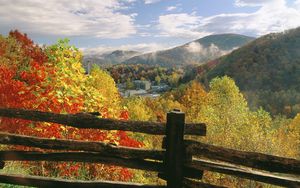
point(174, 158)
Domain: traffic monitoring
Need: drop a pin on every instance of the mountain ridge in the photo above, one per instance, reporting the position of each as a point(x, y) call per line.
point(194, 52)
point(109, 58)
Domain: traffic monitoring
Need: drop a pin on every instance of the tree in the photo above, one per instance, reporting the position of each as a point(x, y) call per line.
point(289, 135)
point(193, 98)
point(101, 94)
point(129, 84)
point(138, 109)
point(69, 78)
point(52, 79)
point(173, 79)
point(225, 113)
point(157, 79)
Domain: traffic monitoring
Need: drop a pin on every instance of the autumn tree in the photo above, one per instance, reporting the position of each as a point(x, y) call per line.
point(193, 98)
point(52, 79)
point(101, 94)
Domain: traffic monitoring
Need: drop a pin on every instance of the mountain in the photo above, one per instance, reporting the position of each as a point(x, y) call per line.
point(119, 56)
point(110, 58)
point(195, 52)
point(267, 70)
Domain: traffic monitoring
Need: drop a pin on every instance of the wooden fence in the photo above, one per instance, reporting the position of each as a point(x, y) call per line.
point(180, 162)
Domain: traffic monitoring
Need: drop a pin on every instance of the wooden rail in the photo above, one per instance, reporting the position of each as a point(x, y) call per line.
point(178, 161)
point(285, 180)
point(90, 157)
point(108, 150)
point(86, 120)
point(250, 159)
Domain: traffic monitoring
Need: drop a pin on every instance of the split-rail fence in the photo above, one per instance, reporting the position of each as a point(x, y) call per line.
point(180, 162)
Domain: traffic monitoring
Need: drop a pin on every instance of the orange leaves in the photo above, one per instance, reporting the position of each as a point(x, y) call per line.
point(2, 47)
point(52, 79)
point(125, 140)
point(14, 93)
point(124, 115)
point(31, 50)
point(21, 38)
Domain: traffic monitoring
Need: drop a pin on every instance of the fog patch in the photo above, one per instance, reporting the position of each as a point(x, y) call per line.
point(212, 50)
point(194, 47)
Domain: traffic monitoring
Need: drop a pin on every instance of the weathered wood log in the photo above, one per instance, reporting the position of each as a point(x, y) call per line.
point(250, 159)
point(85, 120)
point(90, 157)
point(44, 182)
point(187, 183)
point(246, 172)
point(106, 150)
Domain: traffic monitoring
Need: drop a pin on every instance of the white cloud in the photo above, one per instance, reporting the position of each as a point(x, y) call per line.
point(297, 4)
point(194, 47)
point(141, 47)
point(212, 50)
point(151, 1)
point(271, 16)
point(180, 25)
point(258, 2)
point(170, 8)
point(92, 18)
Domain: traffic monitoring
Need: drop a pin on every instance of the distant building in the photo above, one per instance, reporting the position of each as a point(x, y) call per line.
point(129, 93)
point(160, 88)
point(150, 95)
point(140, 84)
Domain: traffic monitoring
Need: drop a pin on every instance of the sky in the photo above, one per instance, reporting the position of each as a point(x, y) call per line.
point(99, 26)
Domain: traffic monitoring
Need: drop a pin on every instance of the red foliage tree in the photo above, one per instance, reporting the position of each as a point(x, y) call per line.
point(24, 75)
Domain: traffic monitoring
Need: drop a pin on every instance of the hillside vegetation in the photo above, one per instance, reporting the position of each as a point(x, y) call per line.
point(267, 70)
point(195, 52)
point(107, 59)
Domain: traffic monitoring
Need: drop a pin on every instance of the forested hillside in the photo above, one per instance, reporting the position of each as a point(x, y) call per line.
point(107, 59)
point(267, 70)
point(195, 52)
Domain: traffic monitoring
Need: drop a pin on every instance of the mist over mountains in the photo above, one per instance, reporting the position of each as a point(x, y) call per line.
point(195, 52)
point(108, 58)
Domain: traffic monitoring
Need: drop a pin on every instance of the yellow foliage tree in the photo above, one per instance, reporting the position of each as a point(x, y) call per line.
point(138, 109)
point(193, 98)
point(288, 137)
point(68, 79)
point(226, 113)
point(102, 94)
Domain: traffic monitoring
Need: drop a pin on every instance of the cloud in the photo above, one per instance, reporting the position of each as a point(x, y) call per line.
point(271, 16)
point(141, 47)
point(212, 50)
point(94, 18)
point(170, 8)
point(181, 25)
point(258, 2)
point(151, 1)
point(297, 4)
point(194, 47)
